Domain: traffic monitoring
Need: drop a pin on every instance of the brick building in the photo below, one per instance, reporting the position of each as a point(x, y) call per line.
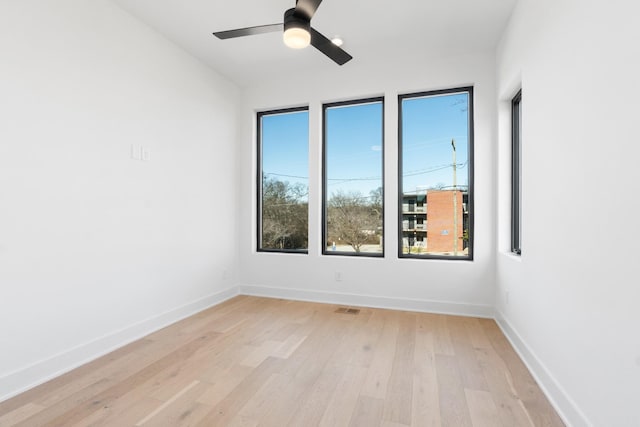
point(429, 225)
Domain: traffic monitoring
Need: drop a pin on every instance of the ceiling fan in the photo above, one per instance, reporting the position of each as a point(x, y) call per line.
point(298, 32)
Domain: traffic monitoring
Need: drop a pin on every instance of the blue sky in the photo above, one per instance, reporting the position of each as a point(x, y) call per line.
point(354, 144)
point(428, 126)
point(353, 148)
point(285, 146)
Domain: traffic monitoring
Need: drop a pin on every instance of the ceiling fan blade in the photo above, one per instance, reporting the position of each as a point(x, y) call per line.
point(325, 46)
point(308, 7)
point(250, 31)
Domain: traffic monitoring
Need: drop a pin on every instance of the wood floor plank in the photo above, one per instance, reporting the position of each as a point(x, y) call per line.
point(224, 383)
point(454, 410)
point(392, 424)
point(377, 381)
point(342, 403)
point(399, 399)
point(106, 397)
point(169, 401)
point(482, 408)
point(425, 404)
point(522, 384)
point(267, 362)
point(230, 405)
point(179, 411)
point(113, 370)
point(306, 378)
point(477, 333)
point(260, 403)
point(313, 407)
point(65, 405)
point(443, 335)
point(368, 412)
point(160, 387)
point(21, 413)
point(65, 385)
point(468, 364)
point(365, 338)
point(425, 408)
point(124, 412)
point(289, 345)
point(260, 353)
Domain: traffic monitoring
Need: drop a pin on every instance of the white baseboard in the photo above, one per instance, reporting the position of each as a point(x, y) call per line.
point(19, 381)
point(407, 304)
point(559, 398)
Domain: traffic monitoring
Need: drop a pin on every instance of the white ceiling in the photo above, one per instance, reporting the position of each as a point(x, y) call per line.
point(373, 30)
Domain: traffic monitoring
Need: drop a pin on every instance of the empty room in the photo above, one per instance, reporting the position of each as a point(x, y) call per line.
point(319, 213)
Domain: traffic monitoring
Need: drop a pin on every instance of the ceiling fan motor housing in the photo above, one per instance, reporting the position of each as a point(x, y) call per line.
point(293, 19)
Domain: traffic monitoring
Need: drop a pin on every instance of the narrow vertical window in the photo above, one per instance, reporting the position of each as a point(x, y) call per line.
point(436, 174)
point(283, 180)
point(353, 178)
point(516, 173)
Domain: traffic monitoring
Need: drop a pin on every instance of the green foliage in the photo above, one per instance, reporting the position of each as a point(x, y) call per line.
point(285, 214)
point(352, 218)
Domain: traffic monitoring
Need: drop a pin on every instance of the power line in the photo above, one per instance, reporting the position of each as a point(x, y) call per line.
point(434, 169)
point(286, 176)
point(375, 178)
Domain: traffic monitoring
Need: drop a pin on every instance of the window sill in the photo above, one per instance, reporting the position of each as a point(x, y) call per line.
point(512, 256)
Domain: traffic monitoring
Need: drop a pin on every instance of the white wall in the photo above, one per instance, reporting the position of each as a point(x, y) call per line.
point(444, 286)
point(97, 248)
point(573, 296)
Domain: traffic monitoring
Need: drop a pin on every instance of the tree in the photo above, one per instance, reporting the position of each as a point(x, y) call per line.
point(465, 238)
point(284, 215)
point(375, 201)
point(353, 218)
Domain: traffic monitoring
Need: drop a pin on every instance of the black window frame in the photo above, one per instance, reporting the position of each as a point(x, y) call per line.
point(259, 179)
point(470, 194)
point(516, 173)
point(323, 236)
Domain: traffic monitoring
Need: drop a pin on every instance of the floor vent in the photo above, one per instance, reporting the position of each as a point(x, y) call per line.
point(345, 310)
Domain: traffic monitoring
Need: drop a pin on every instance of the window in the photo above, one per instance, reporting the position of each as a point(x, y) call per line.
point(353, 178)
point(435, 165)
point(283, 180)
point(516, 173)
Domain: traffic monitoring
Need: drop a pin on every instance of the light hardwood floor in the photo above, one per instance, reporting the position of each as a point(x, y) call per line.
point(267, 362)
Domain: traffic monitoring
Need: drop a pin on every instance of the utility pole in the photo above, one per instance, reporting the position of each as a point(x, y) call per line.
point(455, 201)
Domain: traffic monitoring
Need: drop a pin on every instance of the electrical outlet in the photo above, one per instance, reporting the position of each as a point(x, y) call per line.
point(145, 154)
point(337, 276)
point(225, 274)
point(506, 297)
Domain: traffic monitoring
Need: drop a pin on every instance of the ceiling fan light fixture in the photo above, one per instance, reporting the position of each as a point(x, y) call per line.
point(296, 38)
point(297, 29)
